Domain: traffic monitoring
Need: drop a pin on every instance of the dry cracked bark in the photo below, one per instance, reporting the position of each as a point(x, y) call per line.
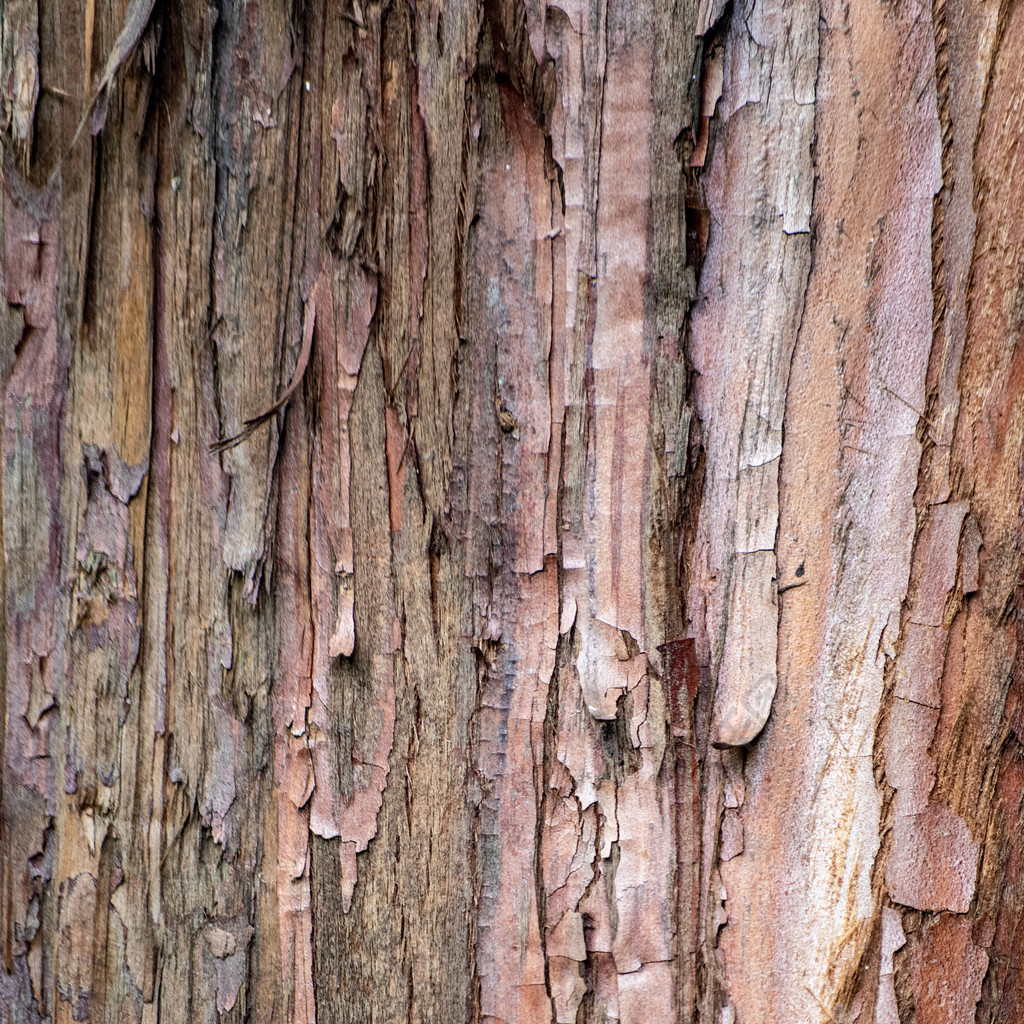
point(615, 618)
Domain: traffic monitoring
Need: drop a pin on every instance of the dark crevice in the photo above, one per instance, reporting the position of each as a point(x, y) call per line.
point(219, 60)
point(550, 753)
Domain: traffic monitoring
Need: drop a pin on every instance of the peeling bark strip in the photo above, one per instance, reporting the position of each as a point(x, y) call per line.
point(136, 18)
point(751, 300)
point(614, 615)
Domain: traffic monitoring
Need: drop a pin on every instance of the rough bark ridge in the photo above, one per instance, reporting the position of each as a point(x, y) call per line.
point(511, 511)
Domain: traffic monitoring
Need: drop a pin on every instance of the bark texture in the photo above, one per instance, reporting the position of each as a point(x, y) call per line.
point(512, 511)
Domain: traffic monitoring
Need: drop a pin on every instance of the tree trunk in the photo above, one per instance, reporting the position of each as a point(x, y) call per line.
point(512, 512)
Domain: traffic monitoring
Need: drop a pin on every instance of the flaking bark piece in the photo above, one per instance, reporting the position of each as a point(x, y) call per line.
point(747, 677)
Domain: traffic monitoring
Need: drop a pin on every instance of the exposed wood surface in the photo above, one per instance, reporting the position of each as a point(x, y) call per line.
point(511, 512)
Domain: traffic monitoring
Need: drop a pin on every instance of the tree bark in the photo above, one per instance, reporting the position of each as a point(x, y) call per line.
point(511, 511)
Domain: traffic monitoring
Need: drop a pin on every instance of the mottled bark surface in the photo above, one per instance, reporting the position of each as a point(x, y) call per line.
point(512, 511)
